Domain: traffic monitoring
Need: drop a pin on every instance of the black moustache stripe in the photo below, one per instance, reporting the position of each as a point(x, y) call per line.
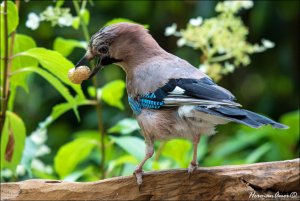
point(109, 60)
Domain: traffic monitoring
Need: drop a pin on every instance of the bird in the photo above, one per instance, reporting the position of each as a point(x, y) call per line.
point(170, 98)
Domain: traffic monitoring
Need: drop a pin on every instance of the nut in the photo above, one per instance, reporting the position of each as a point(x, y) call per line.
point(77, 75)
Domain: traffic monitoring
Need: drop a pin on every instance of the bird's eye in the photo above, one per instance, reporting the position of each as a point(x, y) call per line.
point(103, 49)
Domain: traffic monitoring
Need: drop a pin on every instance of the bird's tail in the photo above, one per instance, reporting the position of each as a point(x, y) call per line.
point(240, 115)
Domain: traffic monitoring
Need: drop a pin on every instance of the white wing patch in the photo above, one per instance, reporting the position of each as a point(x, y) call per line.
point(200, 117)
point(173, 101)
point(177, 91)
point(186, 111)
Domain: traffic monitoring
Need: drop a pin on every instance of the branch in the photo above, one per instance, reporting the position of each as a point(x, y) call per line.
point(239, 182)
point(4, 97)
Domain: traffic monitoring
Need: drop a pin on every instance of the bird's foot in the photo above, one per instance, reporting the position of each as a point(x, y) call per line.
point(139, 177)
point(192, 167)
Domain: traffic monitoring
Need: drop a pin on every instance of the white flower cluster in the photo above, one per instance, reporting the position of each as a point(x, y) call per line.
point(171, 30)
point(221, 39)
point(33, 21)
point(233, 6)
point(55, 15)
point(267, 44)
point(39, 138)
point(196, 21)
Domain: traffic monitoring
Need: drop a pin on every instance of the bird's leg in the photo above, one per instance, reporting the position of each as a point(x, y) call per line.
point(194, 164)
point(139, 169)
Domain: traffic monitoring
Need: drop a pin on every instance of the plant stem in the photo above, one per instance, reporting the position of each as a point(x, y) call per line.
point(83, 5)
point(12, 44)
point(220, 58)
point(5, 72)
point(101, 130)
point(0, 64)
point(82, 23)
point(12, 38)
point(94, 80)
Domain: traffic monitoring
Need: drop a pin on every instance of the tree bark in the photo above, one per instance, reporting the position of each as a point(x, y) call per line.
point(262, 181)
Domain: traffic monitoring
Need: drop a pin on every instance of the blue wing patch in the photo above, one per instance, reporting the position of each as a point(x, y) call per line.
point(135, 106)
point(147, 101)
point(150, 101)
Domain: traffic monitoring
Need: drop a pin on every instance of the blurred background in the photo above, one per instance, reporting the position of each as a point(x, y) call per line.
point(269, 86)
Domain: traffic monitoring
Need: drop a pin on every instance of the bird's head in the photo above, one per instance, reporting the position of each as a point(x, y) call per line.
point(123, 44)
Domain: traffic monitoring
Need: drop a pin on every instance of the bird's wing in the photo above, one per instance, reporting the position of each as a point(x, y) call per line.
point(204, 96)
point(183, 91)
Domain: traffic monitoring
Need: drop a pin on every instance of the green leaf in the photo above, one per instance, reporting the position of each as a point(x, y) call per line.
point(71, 154)
point(133, 145)
point(202, 147)
point(113, 92)
point(76, 23)
point(55, 83)
point(257, 153)
point(61, 108)
point(21, 44)
point(91, 91)
point(12, 17)
point(66, 46)
point(85, 14)
point(127, 169)
point(55, 63)
point(92, 134)
point(287, 139)
point(121, 161)
point(244, 138)
point(292, 120)
point(59, 3)
point(12, 141)
point(125, 126)
point(178, 150)
point(118, 20)
point(43, 175)
point(11, 99)
point(74, 176)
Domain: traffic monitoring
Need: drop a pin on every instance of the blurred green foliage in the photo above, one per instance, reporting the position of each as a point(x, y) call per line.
point(59, 146)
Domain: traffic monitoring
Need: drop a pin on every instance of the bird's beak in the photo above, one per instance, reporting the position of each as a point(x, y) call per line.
point(102, 60)
point(96, 68)
point(84, 61)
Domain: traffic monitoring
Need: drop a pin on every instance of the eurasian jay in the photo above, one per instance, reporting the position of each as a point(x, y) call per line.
point(169, 97)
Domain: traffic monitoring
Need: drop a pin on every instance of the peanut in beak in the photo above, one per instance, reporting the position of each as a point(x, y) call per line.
point(78, 74)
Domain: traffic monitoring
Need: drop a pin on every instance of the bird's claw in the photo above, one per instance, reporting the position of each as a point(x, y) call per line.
point(192, 168)
point(139, 177)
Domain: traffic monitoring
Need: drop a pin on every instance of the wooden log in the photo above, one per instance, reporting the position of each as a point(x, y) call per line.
point(261, 181)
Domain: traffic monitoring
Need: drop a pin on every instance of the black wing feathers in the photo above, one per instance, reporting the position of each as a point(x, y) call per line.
point(163, 92)
point(240, 116)
point(203, 88)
